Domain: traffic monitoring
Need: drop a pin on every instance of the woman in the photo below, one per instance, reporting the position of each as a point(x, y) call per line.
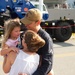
point(27, 60)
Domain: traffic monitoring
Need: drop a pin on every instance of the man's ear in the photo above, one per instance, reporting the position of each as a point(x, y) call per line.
point(38, 22)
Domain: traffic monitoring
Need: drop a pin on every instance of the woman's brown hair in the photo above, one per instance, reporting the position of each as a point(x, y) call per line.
point(33, 41)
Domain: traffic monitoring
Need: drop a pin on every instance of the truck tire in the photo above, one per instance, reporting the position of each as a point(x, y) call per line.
point(63, 32)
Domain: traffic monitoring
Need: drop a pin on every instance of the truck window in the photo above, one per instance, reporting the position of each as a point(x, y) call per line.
point(36, 6)
point(44, 8)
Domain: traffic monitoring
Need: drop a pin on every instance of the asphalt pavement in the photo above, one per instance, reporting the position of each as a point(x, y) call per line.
point(64, 58)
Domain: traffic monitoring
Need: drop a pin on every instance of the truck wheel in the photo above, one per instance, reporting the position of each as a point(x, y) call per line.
point(63, 32)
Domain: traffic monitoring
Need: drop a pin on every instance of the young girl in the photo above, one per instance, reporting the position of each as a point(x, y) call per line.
point(12, 33)
point(27, 60)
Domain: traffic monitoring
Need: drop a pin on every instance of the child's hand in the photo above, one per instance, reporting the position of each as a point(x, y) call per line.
point(14, 49)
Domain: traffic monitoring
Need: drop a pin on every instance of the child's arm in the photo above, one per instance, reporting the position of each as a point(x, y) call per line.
point(6, 64)
point(8, 60)
point(6, 49)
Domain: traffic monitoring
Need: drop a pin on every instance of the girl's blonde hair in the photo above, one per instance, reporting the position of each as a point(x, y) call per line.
point(33, 41)
point(9, 25)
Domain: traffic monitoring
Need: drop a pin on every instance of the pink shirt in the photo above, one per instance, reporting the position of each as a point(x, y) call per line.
point(12, 43)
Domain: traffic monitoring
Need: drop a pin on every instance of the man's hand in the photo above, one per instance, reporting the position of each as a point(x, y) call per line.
point(22, 74)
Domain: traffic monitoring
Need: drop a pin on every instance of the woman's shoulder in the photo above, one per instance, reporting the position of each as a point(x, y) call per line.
point(37, 56)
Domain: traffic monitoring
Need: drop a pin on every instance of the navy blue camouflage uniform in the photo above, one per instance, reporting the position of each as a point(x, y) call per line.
point(47, 54)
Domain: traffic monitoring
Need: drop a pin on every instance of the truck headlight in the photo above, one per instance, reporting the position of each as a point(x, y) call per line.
point(53, 24)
